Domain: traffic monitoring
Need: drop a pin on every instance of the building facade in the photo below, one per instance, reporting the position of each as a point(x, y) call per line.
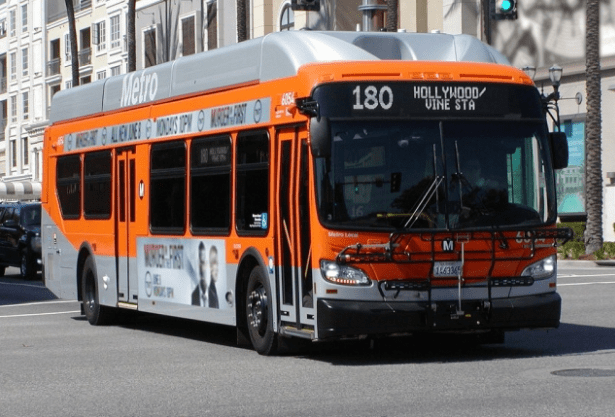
point(35, 58)
point(22, 88)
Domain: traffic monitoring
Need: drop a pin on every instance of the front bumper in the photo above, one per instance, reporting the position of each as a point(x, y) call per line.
point(344, 318)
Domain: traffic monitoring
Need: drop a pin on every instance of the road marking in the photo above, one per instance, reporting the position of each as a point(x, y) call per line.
point(40, 314)
point(584, 275)
point(39, 303)
point(585, 283)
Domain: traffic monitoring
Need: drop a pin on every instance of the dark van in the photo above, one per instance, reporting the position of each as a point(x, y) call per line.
point(20, 238)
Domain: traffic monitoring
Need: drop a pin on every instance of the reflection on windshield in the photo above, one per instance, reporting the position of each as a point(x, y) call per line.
point(430, 175)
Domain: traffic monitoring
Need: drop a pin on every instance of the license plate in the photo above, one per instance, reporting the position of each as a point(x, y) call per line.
point(446, 269)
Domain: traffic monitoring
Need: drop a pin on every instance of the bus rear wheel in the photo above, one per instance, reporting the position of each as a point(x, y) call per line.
point(94, 312)
point(259, 313)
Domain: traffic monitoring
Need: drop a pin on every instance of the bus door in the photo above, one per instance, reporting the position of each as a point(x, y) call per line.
point(125, 199)
point(293, 231)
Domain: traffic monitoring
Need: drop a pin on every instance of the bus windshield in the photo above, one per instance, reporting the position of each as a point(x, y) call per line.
point(442, 175)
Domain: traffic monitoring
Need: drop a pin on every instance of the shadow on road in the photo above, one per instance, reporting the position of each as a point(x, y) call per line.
point(566, 340)
point(15, 290)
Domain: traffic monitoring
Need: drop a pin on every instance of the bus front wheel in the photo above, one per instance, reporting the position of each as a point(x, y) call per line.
point(259, 313)
point(94, 312)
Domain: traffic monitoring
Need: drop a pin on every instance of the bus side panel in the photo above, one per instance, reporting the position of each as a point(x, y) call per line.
point(169, 272)
point(55, 246)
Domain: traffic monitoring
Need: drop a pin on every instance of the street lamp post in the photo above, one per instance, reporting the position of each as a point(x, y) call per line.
point(550, 101)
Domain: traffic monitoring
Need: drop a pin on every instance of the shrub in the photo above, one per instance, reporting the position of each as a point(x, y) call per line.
point(575, 248)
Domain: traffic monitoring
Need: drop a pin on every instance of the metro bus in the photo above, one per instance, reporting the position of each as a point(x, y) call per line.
point(310, 185)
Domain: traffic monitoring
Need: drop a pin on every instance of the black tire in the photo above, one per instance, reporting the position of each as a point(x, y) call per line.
point(259, 313)
point(26, 268)
point(95, 313)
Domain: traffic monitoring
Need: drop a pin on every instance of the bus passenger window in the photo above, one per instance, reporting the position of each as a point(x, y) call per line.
point(97, 185)
point(168, 188)
point(252, 182)
point(68, 185)
point(210, 185)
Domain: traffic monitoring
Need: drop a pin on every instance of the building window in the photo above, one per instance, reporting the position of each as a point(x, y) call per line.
point(24, 18)
point(85, 80)
point(85, 53)
point(116, 71)
point(13, 66)
point(24, 150)
point(12, 21)
point(24, 62)
point(13, 151)
point(100, 36)
point(287, 18)
point(188, 35)
point(149, 46)
point(101, 75)
point(13, 109)
point(37, 161)
point(67, 51)
point(25, 105)
point(3, 28)
point(52, 91)
point(115, 31)
point(68, 84)
point(212, 25)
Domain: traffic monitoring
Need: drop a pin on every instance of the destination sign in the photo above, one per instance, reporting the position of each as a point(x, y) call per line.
point(441, 99)
point(211, 152)
point(198, 121)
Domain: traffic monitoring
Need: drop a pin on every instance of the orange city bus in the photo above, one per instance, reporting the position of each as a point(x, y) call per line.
point(315, 185)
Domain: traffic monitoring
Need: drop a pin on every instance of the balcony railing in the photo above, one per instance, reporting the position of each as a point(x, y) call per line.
point(85, 57)
point(53, 67)
point(2, 85)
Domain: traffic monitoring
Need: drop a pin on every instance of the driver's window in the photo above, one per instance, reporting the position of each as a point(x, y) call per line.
point(8, 214)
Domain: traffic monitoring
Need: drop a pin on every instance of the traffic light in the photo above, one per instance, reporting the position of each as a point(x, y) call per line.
point(309, 5)
point(503, 9)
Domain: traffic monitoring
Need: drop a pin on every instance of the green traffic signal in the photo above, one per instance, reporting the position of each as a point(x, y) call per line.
point(503, 9)
point(506, 6)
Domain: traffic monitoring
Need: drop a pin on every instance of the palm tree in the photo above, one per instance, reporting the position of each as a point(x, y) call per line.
point(593, 171)
point(241, 21)
point(72, 33)
point(391, 15)
point(130, 36)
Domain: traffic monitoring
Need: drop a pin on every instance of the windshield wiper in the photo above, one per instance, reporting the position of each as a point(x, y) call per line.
point(427, 195)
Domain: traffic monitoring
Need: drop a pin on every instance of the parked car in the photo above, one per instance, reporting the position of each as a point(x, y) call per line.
point(20, 238)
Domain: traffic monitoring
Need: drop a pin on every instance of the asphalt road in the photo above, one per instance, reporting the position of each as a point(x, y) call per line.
point(53, 363)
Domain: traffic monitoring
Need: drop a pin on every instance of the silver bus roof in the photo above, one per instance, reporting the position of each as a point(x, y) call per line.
point(276, 55)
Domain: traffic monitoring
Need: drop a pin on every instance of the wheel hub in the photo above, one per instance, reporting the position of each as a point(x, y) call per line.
point(257, 309)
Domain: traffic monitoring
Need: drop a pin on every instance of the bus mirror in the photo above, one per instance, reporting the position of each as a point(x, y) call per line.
point(559, 149)
point(320, 137)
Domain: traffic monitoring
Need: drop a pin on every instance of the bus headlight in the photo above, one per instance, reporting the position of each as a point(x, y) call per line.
point(541, 269)
point(342, 274)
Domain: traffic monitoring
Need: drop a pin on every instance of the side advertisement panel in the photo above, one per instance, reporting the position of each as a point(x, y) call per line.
point(185, 272)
